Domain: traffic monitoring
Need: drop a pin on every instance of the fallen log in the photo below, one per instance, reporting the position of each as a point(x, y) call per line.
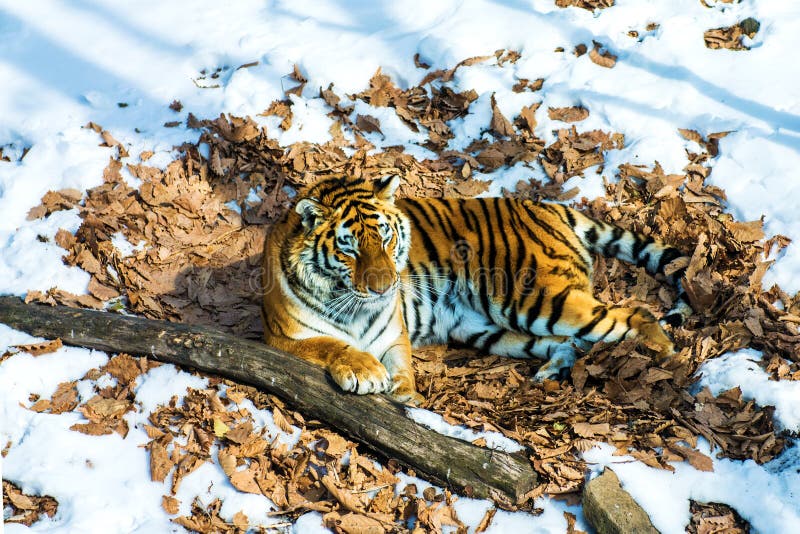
point(374, 420)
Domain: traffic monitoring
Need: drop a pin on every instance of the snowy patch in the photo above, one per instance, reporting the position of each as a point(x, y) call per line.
point(157, 386)
point(30, 262)
point(434, 421)
point(124, 246)
point(765, 495)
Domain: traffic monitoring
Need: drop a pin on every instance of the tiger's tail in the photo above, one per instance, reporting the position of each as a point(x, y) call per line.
point(644, 251)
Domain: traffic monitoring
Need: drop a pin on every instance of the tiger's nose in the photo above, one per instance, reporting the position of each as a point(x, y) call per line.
point(379, 283)
point(379, 290)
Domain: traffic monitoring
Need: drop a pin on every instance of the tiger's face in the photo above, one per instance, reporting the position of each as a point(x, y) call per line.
point(355, 242)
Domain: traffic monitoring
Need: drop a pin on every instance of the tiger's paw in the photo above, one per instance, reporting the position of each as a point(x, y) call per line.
point(654, 335)
point(406, 394)
point(360, 374)
point(559, 364)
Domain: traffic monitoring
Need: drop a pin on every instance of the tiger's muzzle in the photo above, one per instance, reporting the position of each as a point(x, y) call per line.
point(375, 274)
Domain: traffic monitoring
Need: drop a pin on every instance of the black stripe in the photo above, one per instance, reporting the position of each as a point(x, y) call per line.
point(577, 257)
point(432, 298)
point(430, 248)
point(471, 340)
point(513, 317)
point(444, 222)
point(465, 217)
point(610, 249)
point(533, 313)
point(557, 308)
point(303, 323)
point(382, 330)
point(483, 290)
point(354, 194)
point(529, 346)
point(570, 216)
point(370, 322)
point(591, 235)
point(611, 329)
point(489, 233)
point(667, 255)
point(640, 243)
point(594, 322)
point(489, 342)
point(548, 228)
point(509, 275)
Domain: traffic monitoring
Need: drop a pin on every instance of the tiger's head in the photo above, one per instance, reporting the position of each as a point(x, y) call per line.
point(352, 240)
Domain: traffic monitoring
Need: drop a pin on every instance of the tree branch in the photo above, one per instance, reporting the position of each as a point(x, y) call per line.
point(374, 420)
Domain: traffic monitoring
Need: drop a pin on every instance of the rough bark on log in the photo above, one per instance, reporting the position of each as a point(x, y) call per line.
point(374, 420)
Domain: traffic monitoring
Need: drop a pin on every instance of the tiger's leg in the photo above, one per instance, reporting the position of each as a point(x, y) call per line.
point(397, 360)
point(577, 313)
point(475, 331)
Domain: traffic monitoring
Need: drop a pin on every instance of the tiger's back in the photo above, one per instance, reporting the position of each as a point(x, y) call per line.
point(514, 277)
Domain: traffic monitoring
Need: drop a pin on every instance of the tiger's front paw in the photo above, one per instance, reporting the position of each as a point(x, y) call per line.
point(360, 373)
point(407, 395)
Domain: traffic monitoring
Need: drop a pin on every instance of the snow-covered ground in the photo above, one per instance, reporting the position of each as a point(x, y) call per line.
point(120, 65)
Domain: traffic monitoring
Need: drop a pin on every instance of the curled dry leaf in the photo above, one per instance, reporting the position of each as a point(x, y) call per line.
point(604, 59)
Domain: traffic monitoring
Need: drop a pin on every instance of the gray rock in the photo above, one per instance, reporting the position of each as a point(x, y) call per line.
point(611, 510)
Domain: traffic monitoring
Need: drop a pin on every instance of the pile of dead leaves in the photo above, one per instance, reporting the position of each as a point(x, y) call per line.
point(712, 517)
point(589, 5)
point(104, 411)
point(26, 509)
point(730, 37)
point(202, 222)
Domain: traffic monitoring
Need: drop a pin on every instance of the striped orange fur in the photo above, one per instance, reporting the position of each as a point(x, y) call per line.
point(354, 279)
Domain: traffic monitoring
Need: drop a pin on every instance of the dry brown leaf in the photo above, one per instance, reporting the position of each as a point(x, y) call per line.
point(499, 124)
point(604, 59)
point(240, 521)
point(587, 430)
point(354, 523)
point(746, 232)
point(170, 504)
point(160, 461)
point(65, 398)
point(569, 114)
point(281, 421)
point(37, 349)
point(245, 480)
point(368, 124)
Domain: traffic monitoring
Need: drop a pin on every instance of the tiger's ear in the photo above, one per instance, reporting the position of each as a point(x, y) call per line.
point(386, 187)
point(311, 212)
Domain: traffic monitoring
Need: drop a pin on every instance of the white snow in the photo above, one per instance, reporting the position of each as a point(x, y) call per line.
point(766, 495)
point(434, 421)
point(125, 247)
point(120, 64)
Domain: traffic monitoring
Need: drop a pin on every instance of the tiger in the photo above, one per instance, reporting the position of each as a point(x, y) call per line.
point(355, 279)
